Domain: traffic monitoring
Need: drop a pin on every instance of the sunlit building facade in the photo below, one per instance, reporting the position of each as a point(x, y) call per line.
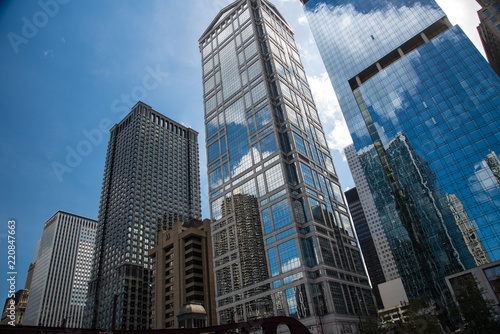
point(151, 180)
point(63, 260)
point(183, 274)
point(489, 31)
point(283, 240)
point(421, 104)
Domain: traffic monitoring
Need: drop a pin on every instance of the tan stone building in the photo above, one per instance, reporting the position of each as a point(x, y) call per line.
point(13, 312)
point(182, 273)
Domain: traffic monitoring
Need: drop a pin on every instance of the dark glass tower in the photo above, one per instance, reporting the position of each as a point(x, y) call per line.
point(366, 243)
point(283, 239)
point(422, 105)
point(151, 180)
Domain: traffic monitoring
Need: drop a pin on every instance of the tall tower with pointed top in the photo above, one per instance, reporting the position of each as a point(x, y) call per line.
point(283, 240)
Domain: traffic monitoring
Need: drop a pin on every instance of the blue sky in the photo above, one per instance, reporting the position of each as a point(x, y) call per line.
point(68, 69)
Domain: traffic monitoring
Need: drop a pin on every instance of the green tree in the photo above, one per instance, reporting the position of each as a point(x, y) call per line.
point(421, 317)
point(371, 325)
point(477, 313)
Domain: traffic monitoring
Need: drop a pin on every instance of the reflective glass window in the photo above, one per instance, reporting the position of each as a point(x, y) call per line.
point(266, 220)
point(229, 70)
point(212, 127)
point(338, 297)
point(215, 179)
point(251, 125)
point(289, 255)
point(261, 185)
point(256, 153)
point(281, 214)
point(254, 70)
point(268, 145)
point(213, 151)
point(326, 252)
point(263, 117)
point(299, 142)
point(296, 298)
point(307, 174)
point(347, 225)
point(284, 234)
point(223, 145)
point(273, 261)
point(259, 91)
point(237, 138)
point(309, 251)
point(316, 210)
point(274, 177)
point(225, 168)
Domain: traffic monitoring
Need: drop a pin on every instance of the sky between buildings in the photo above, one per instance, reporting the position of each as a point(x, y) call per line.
point(71, 70)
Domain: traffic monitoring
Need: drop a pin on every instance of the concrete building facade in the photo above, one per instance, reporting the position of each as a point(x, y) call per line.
point(151, 180)
point(63, 260)
point(182, 273)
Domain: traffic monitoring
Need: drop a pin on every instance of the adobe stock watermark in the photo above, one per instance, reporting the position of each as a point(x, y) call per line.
point(31, 27)
point(120, 107)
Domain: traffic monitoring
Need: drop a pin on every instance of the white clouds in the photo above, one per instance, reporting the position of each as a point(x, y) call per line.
point(303, 20)
point(48, 53)
point(336, 131)
point(464, 13)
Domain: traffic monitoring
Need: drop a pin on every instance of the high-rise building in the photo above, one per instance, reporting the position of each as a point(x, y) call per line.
point(283, 240)
point(62, 268)
point(366, 243)
point(369, 229)
point(489, 31)
point(183, 273)
point(369, 209)
point(151, 180)
point(421, 104)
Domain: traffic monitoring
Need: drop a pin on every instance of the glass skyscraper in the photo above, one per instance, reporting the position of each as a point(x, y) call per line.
point(151, 180)
point(422, 107)
point(283, 240)
point(373, 259)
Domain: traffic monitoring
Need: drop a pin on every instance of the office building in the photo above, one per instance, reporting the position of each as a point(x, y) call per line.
point(489, 31)
point(14, 309)
point(369, 229)
point(421, 104)
point(151, 180)
point(283, 240)
point(183, 276)
point(20, 299)
point(366, 243)
point(59, 284)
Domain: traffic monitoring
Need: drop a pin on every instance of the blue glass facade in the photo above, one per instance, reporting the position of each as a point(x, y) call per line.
point(422, 107)
point(272, 180)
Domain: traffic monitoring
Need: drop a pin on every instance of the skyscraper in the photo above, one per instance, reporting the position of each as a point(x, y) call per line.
point(366, 242)
point(489, 31)
point(372, 238)
point(151, 180)
point(421, 104)
point(375, 227)
point(60, 280)
point(283, 240)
